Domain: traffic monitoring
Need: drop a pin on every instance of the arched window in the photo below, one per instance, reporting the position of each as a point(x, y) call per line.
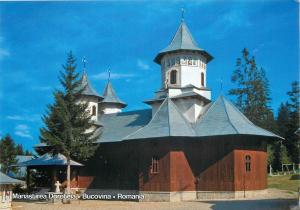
point(248, 163)
point(202, 79)
point(154, 165)
point(190, 61)
point(94, 111)
point(173, 77)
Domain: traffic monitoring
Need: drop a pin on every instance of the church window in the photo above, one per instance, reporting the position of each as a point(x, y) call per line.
point(173, 77)
point(190, 61)
point(94, 110)
point(168, 63)
point(177, 60)
point(202, 79)
point(154, 165)
point(248, 163)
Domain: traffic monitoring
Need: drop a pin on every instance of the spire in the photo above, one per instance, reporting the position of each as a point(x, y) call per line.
point(85, 83)
point(84, 61)
point(110, 95)
point(182, 40)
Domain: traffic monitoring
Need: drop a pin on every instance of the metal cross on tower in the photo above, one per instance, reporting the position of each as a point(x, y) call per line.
point(109, 74)
point(182, 14)
point(84, 61)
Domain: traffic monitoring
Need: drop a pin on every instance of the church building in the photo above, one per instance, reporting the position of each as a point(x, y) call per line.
point(184, 146)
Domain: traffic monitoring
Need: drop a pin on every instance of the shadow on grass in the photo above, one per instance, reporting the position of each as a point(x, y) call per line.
point(295, 177)
point(270, 204)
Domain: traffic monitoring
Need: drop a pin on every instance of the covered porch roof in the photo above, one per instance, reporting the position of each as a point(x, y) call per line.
point(49, 160)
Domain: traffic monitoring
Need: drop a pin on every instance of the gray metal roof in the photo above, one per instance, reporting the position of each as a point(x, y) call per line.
point(219, 118)
point(183, 40)
point(41, 144)
point(182, 95)
point(223, 118)
point(49, 160)
point(110, 96)
point(4, 179)
point(119, 125)
point(167, 121)
point(87, 87)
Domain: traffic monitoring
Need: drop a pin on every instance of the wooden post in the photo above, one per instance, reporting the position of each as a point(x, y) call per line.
point(27, 177)
point(54, 177)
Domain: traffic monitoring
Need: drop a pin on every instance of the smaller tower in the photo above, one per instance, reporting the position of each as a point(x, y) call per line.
point(89, 95)
point(111, 103)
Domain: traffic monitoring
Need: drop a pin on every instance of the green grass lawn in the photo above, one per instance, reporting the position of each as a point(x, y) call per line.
point(285, 182)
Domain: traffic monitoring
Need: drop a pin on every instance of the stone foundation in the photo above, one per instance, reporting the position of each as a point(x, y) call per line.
point(199, 195)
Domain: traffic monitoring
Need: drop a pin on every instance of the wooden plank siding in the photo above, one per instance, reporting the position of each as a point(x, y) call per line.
point(206, 164)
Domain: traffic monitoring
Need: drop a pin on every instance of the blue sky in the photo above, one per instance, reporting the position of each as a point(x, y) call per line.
point(125, 36)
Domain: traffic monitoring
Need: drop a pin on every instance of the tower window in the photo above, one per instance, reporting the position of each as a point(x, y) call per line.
point(94, 111)
point(202, 79)
point(154, 165)
point(190, 61)
point(173, 77)
point(248, 163)
point(194, 61)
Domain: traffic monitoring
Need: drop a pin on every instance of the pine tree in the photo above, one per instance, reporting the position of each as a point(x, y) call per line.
point(252, 92)
point(271, 156)
point(67, 120)
point(19, 149)
point(283, 120)
point(292, 140)
point(7, 154)
point(28, 153)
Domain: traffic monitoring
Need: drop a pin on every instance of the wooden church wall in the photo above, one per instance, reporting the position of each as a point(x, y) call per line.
point(149, 181)
point(256, 178)
point(207, 164)
point(211, 161)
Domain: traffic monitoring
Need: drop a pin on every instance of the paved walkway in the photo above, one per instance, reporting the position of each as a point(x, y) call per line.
point(275, 204)
point(273, 200)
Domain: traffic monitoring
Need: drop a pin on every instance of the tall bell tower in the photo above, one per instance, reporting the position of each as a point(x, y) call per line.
point(183, 74)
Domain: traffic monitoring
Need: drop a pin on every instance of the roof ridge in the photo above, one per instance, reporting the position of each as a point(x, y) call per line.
point(168, 103)
point(182, 116)
point(153, 117)
point(229, 119)
point(245, 118)
point(207, 111)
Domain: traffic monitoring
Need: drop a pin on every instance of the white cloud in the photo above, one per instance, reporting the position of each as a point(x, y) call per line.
point(142, 65)
point(15, 117)
point(23, 130)
point(28, 118)
point(104, 76)
point(3, 53)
